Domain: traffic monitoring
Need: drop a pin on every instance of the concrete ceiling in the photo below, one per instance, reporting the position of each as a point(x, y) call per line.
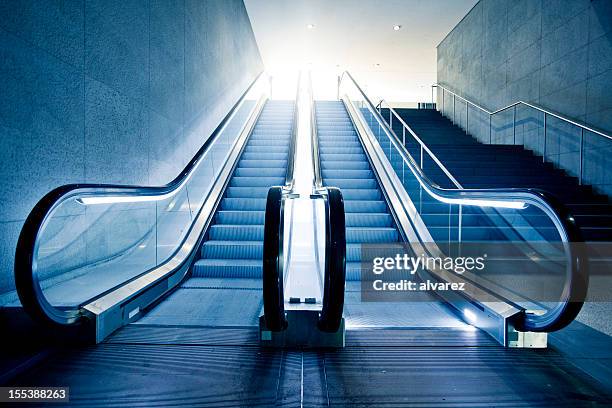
point(356, 35)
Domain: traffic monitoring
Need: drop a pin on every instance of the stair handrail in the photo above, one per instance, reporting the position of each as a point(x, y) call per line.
point(513, 106)
point(576, 283)
point(27, 282)
point(530, 104)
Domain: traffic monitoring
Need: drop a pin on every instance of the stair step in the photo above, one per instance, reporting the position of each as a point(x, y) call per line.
point(262, 163)
point(361, 194)
point(371, 235)
point(347, 174)
point(232, 250)
point(364, 183)
point(228, 268)
point(228, 232)
point(243, 204)
point(240, 217)
point(368, 220)
point(242, 181)
point(247, 192)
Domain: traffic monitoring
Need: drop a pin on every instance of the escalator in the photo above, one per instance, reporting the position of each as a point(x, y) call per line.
point(184, 330)
point(369, 222)
point(162, 252)
point(530, 236)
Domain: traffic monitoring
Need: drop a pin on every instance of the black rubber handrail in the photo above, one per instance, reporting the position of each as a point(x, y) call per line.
point(335, 262)
point(273, 261)
point(290, 172)
point(26, 280)
point(577, 275)
point(314, 140)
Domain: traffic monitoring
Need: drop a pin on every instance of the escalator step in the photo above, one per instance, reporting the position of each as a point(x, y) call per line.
point(228, 268)
point(232, 250)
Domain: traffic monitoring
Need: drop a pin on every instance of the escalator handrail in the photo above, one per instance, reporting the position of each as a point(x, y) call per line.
point(335, 262)
point(273, 261)
point(576, 283)
point(27, 282)
point(289, 175)
point(314, 140)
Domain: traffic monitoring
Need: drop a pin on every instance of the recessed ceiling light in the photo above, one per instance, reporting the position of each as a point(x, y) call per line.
point(397, 27)
point(310, 26)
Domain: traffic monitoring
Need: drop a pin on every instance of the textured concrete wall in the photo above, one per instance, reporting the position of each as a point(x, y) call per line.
point(111, 91)
point(556, 53)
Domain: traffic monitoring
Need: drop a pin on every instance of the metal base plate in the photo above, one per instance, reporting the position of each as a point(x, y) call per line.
point(302, 332)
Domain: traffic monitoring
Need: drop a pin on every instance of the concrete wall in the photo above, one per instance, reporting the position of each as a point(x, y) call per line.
point(111, 91)
point(556, 53)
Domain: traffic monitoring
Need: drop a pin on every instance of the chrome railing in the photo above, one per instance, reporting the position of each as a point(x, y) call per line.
point(142, 244)
point(461, 116)
point(510, 199)
point(422, 146)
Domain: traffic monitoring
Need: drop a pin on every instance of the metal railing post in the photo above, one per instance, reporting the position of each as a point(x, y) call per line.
point(460, 222)
point(421, 157)
point(490, 130)
point(454, 116)
point(467, 116)
point(544, 153)
point(443, 106)
point(581, 155)
point(403, 135)
point(514, 125)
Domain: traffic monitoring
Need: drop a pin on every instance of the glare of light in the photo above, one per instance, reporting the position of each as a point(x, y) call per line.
point(119, 199)
point(310, 26)
point(142, 246)
point(469, 315)
point(517, 205)
point(397, 27)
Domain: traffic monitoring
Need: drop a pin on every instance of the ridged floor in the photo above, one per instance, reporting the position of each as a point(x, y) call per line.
point(381, 368)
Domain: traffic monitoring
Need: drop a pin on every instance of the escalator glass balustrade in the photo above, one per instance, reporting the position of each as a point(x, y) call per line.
point(87, 249)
